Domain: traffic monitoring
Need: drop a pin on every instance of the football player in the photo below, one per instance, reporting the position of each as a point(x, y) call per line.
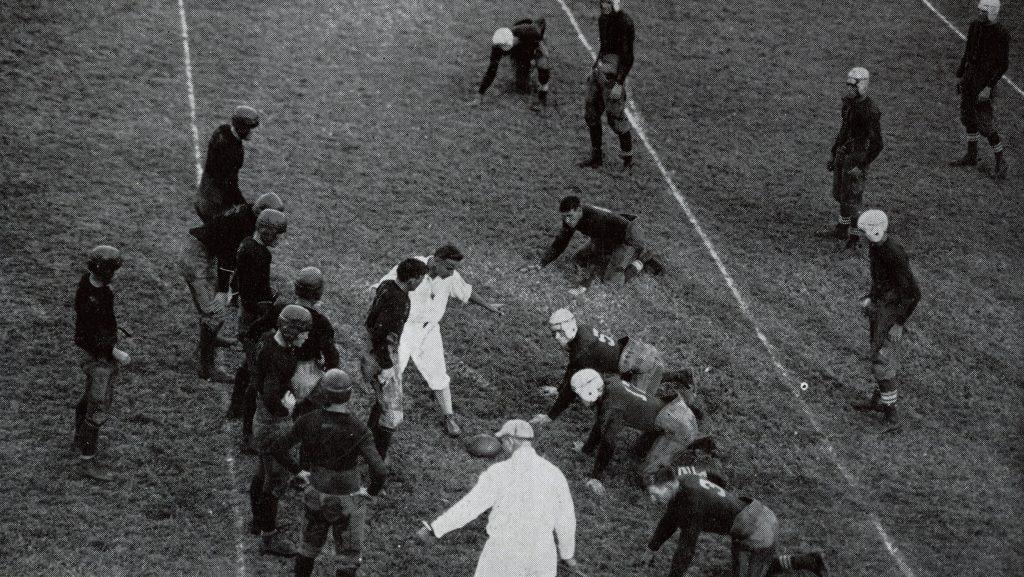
point(218, 188)
point(523, 43)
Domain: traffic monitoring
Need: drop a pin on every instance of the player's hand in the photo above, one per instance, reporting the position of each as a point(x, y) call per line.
point(855, 172)
point(896, 333)
point(578, 447)
point(549, 391)
point(616, 91)
point(477, 100)
point(649, 557)
point(386, 375)
point(496, 308)
point(288, 400)
point(302, 479)
point(596, 487)
point(985, 94)
point(530, 268)
point(578, 291)
point(121, 356)
point(539, 420)
point(426, 535)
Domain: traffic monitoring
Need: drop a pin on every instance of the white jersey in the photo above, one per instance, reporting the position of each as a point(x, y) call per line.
point(430, 300)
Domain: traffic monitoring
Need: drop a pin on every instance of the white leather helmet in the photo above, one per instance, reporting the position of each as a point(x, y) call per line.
point(588, 384)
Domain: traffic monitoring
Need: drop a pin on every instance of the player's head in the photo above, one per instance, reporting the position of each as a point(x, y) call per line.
point(294, 323)
point(103, 262)
point(562, 324)
point(270, 225)
point(571, 210)
point(874, 223)
point(857, 82)
point(334, 388)
point(446, 261)
point(503, 38)
point(411, 272)
point(514, 434)
point(309, 285)
point(988, 10)
point(243, 120)
point(588, 385)
point(609, 6)
point(268, 200)
point(662, 484)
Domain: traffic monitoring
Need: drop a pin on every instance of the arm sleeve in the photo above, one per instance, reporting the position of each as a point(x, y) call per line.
point(1002, 62)
point(842, 133)
point(967, 46)
point(684, 551)
point(558, 246)
point(565, 395)
point(460, 289)
point(389, 320)
point(282, 449)
point(565, 519)
point(243, 268)
point(378, 470)
point(595, 432)
point(328, 349)
point(606, 446)
point(626, 60)
point(273, 389)
point(909, 292)
point(492, 69)
point(875, 143)
point(479, 499)
point(666, 527)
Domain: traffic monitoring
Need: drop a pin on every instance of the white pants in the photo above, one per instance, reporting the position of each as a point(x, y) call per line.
point(505, 557)
point(423, 345)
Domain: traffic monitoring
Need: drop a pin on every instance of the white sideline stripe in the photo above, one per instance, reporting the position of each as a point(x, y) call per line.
point(964, 37)
point(786, 374)
point(240, 564)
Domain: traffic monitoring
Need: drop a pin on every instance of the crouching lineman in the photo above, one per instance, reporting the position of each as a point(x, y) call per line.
point(634, 360)
point(985, 60)
point(858, 144)
point(96, 335)
point(617, 249)
point(272, 377)
point(384, 323)
point(667, 427)
point(524, 45)
point(334, 498)
point(892, 299)
point(697, 505)
point(606, 84)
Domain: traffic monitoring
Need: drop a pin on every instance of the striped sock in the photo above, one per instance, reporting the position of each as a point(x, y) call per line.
point(889, 398)
point(972, 137)
point(997, 148)
point(844, 220)
point(786, 561)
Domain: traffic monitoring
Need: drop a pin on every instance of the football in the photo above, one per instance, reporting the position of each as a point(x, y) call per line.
point(483, 445)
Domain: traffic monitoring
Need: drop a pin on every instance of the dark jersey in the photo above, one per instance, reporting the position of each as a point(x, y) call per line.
point(224, 234)
point(892, 281)
point(603, 226)
point(700, 506)
point(331, 443)
point(273, 371)
point(319, 345)
point(253, 274)
point(621, 406)
point(95, 324)
point(616, 33)
point(590, 349)
point(860, 133)
point(529, 35)
point(387, 316)
point(225, 155)
point(986, 54)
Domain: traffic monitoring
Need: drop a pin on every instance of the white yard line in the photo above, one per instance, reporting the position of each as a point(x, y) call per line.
point(786, 375)
point(964, 37)
point(240, 560)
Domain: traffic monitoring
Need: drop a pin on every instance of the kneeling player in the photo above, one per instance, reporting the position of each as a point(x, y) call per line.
point(667, 425)
point(697, 505)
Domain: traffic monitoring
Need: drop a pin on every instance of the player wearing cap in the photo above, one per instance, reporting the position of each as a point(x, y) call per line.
point(530, 507)
point(334, 498)
point(617, 248)
point(96, 335)
point(858, 144)
point(421, 335)
point(606, 84)
point(523, 43)
point(587, 348)
point(892, 299)
point(384, 325)
point(668, 426)
point(254, 291)
point(218, 187)
point(985, 60)
point(697, 505)
point(272, 374)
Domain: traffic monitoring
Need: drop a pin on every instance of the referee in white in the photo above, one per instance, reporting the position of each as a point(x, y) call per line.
point(421, 336)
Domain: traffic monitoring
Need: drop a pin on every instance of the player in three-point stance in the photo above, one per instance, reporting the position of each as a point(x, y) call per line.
point(523, 43)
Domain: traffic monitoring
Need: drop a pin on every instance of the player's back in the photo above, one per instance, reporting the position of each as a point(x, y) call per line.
point(710, 507)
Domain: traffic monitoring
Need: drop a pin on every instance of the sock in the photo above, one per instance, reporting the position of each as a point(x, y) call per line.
point(90, 438)
point(444, 399)
point(248, 411)
point(972, 145)
point(382, 439)
point(255, 504)
point(595, 139)
point(626, 143)
point(304, 566)
point(269, 513)
point(80, 410)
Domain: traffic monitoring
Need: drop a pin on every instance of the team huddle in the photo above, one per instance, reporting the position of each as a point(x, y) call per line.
point(294, 399)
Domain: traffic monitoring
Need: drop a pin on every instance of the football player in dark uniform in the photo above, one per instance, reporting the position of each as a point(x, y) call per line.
point(523, 43)
point(218, 187)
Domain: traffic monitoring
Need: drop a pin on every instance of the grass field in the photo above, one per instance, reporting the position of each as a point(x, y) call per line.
point(367, 136)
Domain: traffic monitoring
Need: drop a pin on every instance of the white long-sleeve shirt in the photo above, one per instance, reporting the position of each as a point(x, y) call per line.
point(529, 500)
point(429, 301)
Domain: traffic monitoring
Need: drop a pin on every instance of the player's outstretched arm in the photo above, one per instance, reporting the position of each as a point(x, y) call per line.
point(493, 307)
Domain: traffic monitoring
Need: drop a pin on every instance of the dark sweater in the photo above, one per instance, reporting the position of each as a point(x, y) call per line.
point(892, 282)
point(616, 33)
point(387, 316)
point(603, 226)
point(95, 324)
point(986, 54)
point(253, 275)
point(861, 133)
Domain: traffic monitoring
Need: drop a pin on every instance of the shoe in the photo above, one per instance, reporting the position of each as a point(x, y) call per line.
point(820, 568)
point(92, 469)
point(967, 159)
point(654, 266)
point(890, 418)
point(276, 544)
point(578, 291)
point(867, 406)
point(594, 161)
point(627, 163)
point(999, 172)
point(451, 427)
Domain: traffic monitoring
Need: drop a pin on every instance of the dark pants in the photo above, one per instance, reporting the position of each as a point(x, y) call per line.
point(342, 515)
point(94, 406)
point(978, 117)
point(847, 189)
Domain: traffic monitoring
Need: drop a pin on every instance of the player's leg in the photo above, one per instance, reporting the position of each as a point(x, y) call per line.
point(969, 118)
point(429, 359)
point(593, 108)
point(985, 111)
point(620, 258)
point(841, 229)
point(314, 535)
point(813, 562)
point(543, 73)
point(349, 530)
point(101, 376)
point(275, 482)
point(616, 114)
point(885, 366)
point(644, 363)
point(849, 206)
point(523, 67)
